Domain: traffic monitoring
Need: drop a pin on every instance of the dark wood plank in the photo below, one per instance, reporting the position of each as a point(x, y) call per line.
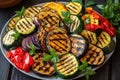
point(115, 65)
point(4, 67)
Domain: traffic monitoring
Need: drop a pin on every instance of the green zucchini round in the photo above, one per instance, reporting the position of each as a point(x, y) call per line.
point(76, 26)
point(67, 67)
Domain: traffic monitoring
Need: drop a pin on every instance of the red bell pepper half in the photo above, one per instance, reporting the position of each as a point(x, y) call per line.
point(20, 58)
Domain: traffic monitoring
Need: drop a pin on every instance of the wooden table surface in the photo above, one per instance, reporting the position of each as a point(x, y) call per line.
point(110, 71)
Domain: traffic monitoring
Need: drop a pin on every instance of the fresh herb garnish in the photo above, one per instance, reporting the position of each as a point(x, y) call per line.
point(16, 35)
point(111, 11)
point(66, 16)
point(52, 56)
point(78, 1)
point(90, 3)
point(32, 49)
point(87, 70)
point(21, 12)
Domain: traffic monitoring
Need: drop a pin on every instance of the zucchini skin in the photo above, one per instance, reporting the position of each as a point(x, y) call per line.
point(106, 42)
point(69, 76)
point(80, 27)
point(15, 44)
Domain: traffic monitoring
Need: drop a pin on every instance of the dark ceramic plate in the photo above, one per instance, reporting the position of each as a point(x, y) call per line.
point(31, 73)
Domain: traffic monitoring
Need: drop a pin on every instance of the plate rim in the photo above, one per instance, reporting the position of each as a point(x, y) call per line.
point(42, 77)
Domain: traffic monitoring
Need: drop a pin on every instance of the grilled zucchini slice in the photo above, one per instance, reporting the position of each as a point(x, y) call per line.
point(74, 7)
point(106, 42)
point(59, 7)
point(32, 11)
point(76, 26)
point(59, 40)
point(12, 22)
point(9, 41)
point(48, 19)
point(25, 26)
point(90, 36)
point(41, 67)
point(94, 56)
point(67, 67)
point(79, 45)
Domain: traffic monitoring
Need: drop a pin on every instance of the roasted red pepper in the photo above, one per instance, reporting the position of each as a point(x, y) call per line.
point(20, 58)
point(103, 24)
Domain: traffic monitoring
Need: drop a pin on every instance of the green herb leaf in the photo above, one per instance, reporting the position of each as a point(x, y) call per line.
point(55, 59)
point(78, 1)
point(87, 70)
point(33, 49)
point(116, 2)
point(90, 3)
point(52, 52)
point(67, 19)
point(21, 12)
point(16, 35)
point(83, 66)
point(100, 6)
point(47, 57)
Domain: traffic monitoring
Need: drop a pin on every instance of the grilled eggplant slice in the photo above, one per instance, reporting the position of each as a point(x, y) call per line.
point(9, 42)
point(106, 42)
point(79, 45)
point(12, 22)
point(76, 26)
point(67, 67)
point(59, 40)
point(91, 36)
point(25, 26)
point(42, 67)
point(48, 19)
point(94, 56)
point(32, 11)
point(74, 7)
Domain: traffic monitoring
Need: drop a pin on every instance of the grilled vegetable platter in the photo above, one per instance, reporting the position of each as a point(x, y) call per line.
point(44, 40)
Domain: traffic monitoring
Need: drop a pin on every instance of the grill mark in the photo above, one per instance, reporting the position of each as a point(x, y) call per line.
point(28, 22)
point(19, 28)
point(69, 8)
point(73, 7)
point(22, 26)
point(76, 5)
point(32, 11)
point(36, 10)
point(105, 37)
point(27, 26)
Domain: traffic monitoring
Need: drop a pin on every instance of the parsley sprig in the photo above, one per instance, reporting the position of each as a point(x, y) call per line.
point(16, 35)
point(21, 12)
point(52, 56)
point(111, 11)
point(66, 16)
point(87, 70)
point(32, 49)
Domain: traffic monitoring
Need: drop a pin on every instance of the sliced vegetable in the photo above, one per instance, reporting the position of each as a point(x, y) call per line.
point(77, 25)
point(59, 40)
point(32, 11)
point(59, 7)
point(67, 67)
point(48, 19)
point(94, 56)
point(74, 7)
point(25, 26)
point(105, 42)
point(79, 45)
point(9, 42)
point(42, 67)
point(91, 36)
point(12, 22)
point(90, 19)
point(20, 58)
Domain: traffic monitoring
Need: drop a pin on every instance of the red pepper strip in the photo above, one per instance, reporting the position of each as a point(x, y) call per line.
point(20, 58)
point(104, 23)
